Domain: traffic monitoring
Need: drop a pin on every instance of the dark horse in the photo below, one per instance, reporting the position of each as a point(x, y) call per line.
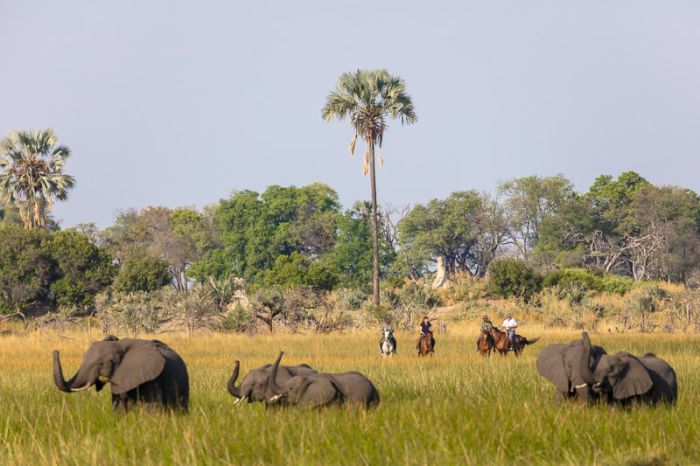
point(502, 344)
point(426, 344)
point(485, 344)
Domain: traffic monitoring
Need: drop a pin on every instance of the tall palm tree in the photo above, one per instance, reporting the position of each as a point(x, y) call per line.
point(368, 98)
point(31, 174)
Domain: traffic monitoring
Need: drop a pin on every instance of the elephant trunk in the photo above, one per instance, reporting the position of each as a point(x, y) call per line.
point(58, 379)
point(231, 385)
point(276, 389)
point(584, 366)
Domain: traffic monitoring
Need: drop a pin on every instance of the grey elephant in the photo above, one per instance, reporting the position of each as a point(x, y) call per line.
point(625, 378)
point(321, 389)
point(255, 387)
point(569, 368)
point(146, 371)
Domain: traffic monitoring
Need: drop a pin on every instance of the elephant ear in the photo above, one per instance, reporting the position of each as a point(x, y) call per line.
point(140, 363)
point(635, 379)
point(550, 365)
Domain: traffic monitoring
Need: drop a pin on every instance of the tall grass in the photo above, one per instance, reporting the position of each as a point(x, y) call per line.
point(453, 408)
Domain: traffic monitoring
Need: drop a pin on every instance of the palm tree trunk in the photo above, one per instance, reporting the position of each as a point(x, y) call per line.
point(375, 227)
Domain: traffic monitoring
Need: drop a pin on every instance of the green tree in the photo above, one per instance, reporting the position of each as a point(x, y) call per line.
point(297, 270)
point(32, 176)
point(352, 257)
point(26, 270)
point(529, 202)
point(142, 274)
point(465, 231)
point(368, 99)
point(513, 278)
point(255, 229)
point(179, 236)
point(83, 269)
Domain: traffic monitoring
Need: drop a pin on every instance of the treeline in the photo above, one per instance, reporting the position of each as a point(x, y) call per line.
point(301, 236)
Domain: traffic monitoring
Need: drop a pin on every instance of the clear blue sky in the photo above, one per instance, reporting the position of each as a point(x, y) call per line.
point(178, 103)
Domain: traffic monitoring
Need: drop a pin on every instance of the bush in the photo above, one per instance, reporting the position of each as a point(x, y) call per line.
point(142, 274)
point(238, 320)
point(350, 298)
point(134, 313)
point(512, 278)
point(589, 281)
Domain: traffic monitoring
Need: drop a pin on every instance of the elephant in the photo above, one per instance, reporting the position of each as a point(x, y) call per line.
point(625, 379)
point(146, 371)
point(254, 386)
point(321, 389)
point(569, 368)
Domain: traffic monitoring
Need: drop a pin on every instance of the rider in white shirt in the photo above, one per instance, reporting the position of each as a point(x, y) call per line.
point(510, 325)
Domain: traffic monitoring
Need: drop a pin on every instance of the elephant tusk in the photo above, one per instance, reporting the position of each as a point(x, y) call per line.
point(80, 389)
point(240, 400)
point(275, 398)
point(583, 385)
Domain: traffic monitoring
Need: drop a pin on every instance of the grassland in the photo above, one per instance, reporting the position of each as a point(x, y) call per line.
point(453, 408)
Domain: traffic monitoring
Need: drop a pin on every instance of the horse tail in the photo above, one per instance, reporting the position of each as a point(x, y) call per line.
point(529, 342)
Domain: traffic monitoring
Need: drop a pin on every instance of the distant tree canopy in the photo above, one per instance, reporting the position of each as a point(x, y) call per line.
point(255, 229)
point(621, 230)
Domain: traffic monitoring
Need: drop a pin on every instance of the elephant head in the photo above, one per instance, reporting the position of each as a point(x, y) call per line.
point(622, 375)
point(568, 367)
point(126, 364)
point(313, 390)
point(255, 385)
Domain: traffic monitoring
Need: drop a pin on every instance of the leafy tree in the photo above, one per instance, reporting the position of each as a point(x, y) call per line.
point(32, 176)
point(180, 237)
point(26, 270)
point(255, 230)
point(142, 274)
point(465, 230)
point(41, 270)
point(529, 202)
point(368, 99)
point(297, 269)
point(352, 257)
point(84, 269)
point(513, 278)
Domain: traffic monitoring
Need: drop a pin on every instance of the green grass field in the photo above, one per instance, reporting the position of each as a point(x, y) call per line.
point(453, 408)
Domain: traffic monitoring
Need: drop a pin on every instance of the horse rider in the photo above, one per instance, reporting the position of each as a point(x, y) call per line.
point(387, 327)
point(486, 326)
point(425, 329)
point(509, 325)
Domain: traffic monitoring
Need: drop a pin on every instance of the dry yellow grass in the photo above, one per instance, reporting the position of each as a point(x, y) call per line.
point(453, 408)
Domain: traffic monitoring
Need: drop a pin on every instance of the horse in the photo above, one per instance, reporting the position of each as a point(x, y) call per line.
point(387, 345)
point(485, 344)
point(520, 343)
point(426, 344)
point(503, 345)
point(500, 340)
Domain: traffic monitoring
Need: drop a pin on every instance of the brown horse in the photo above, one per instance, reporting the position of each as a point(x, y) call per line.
point(502, 343)
point(426, 344)
point(485, 344)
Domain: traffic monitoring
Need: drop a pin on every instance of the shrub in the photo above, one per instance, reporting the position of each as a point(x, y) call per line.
point(134, 313)
point(588, 281)
point(350, 298)
point(512, 278)
point(238, 320)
